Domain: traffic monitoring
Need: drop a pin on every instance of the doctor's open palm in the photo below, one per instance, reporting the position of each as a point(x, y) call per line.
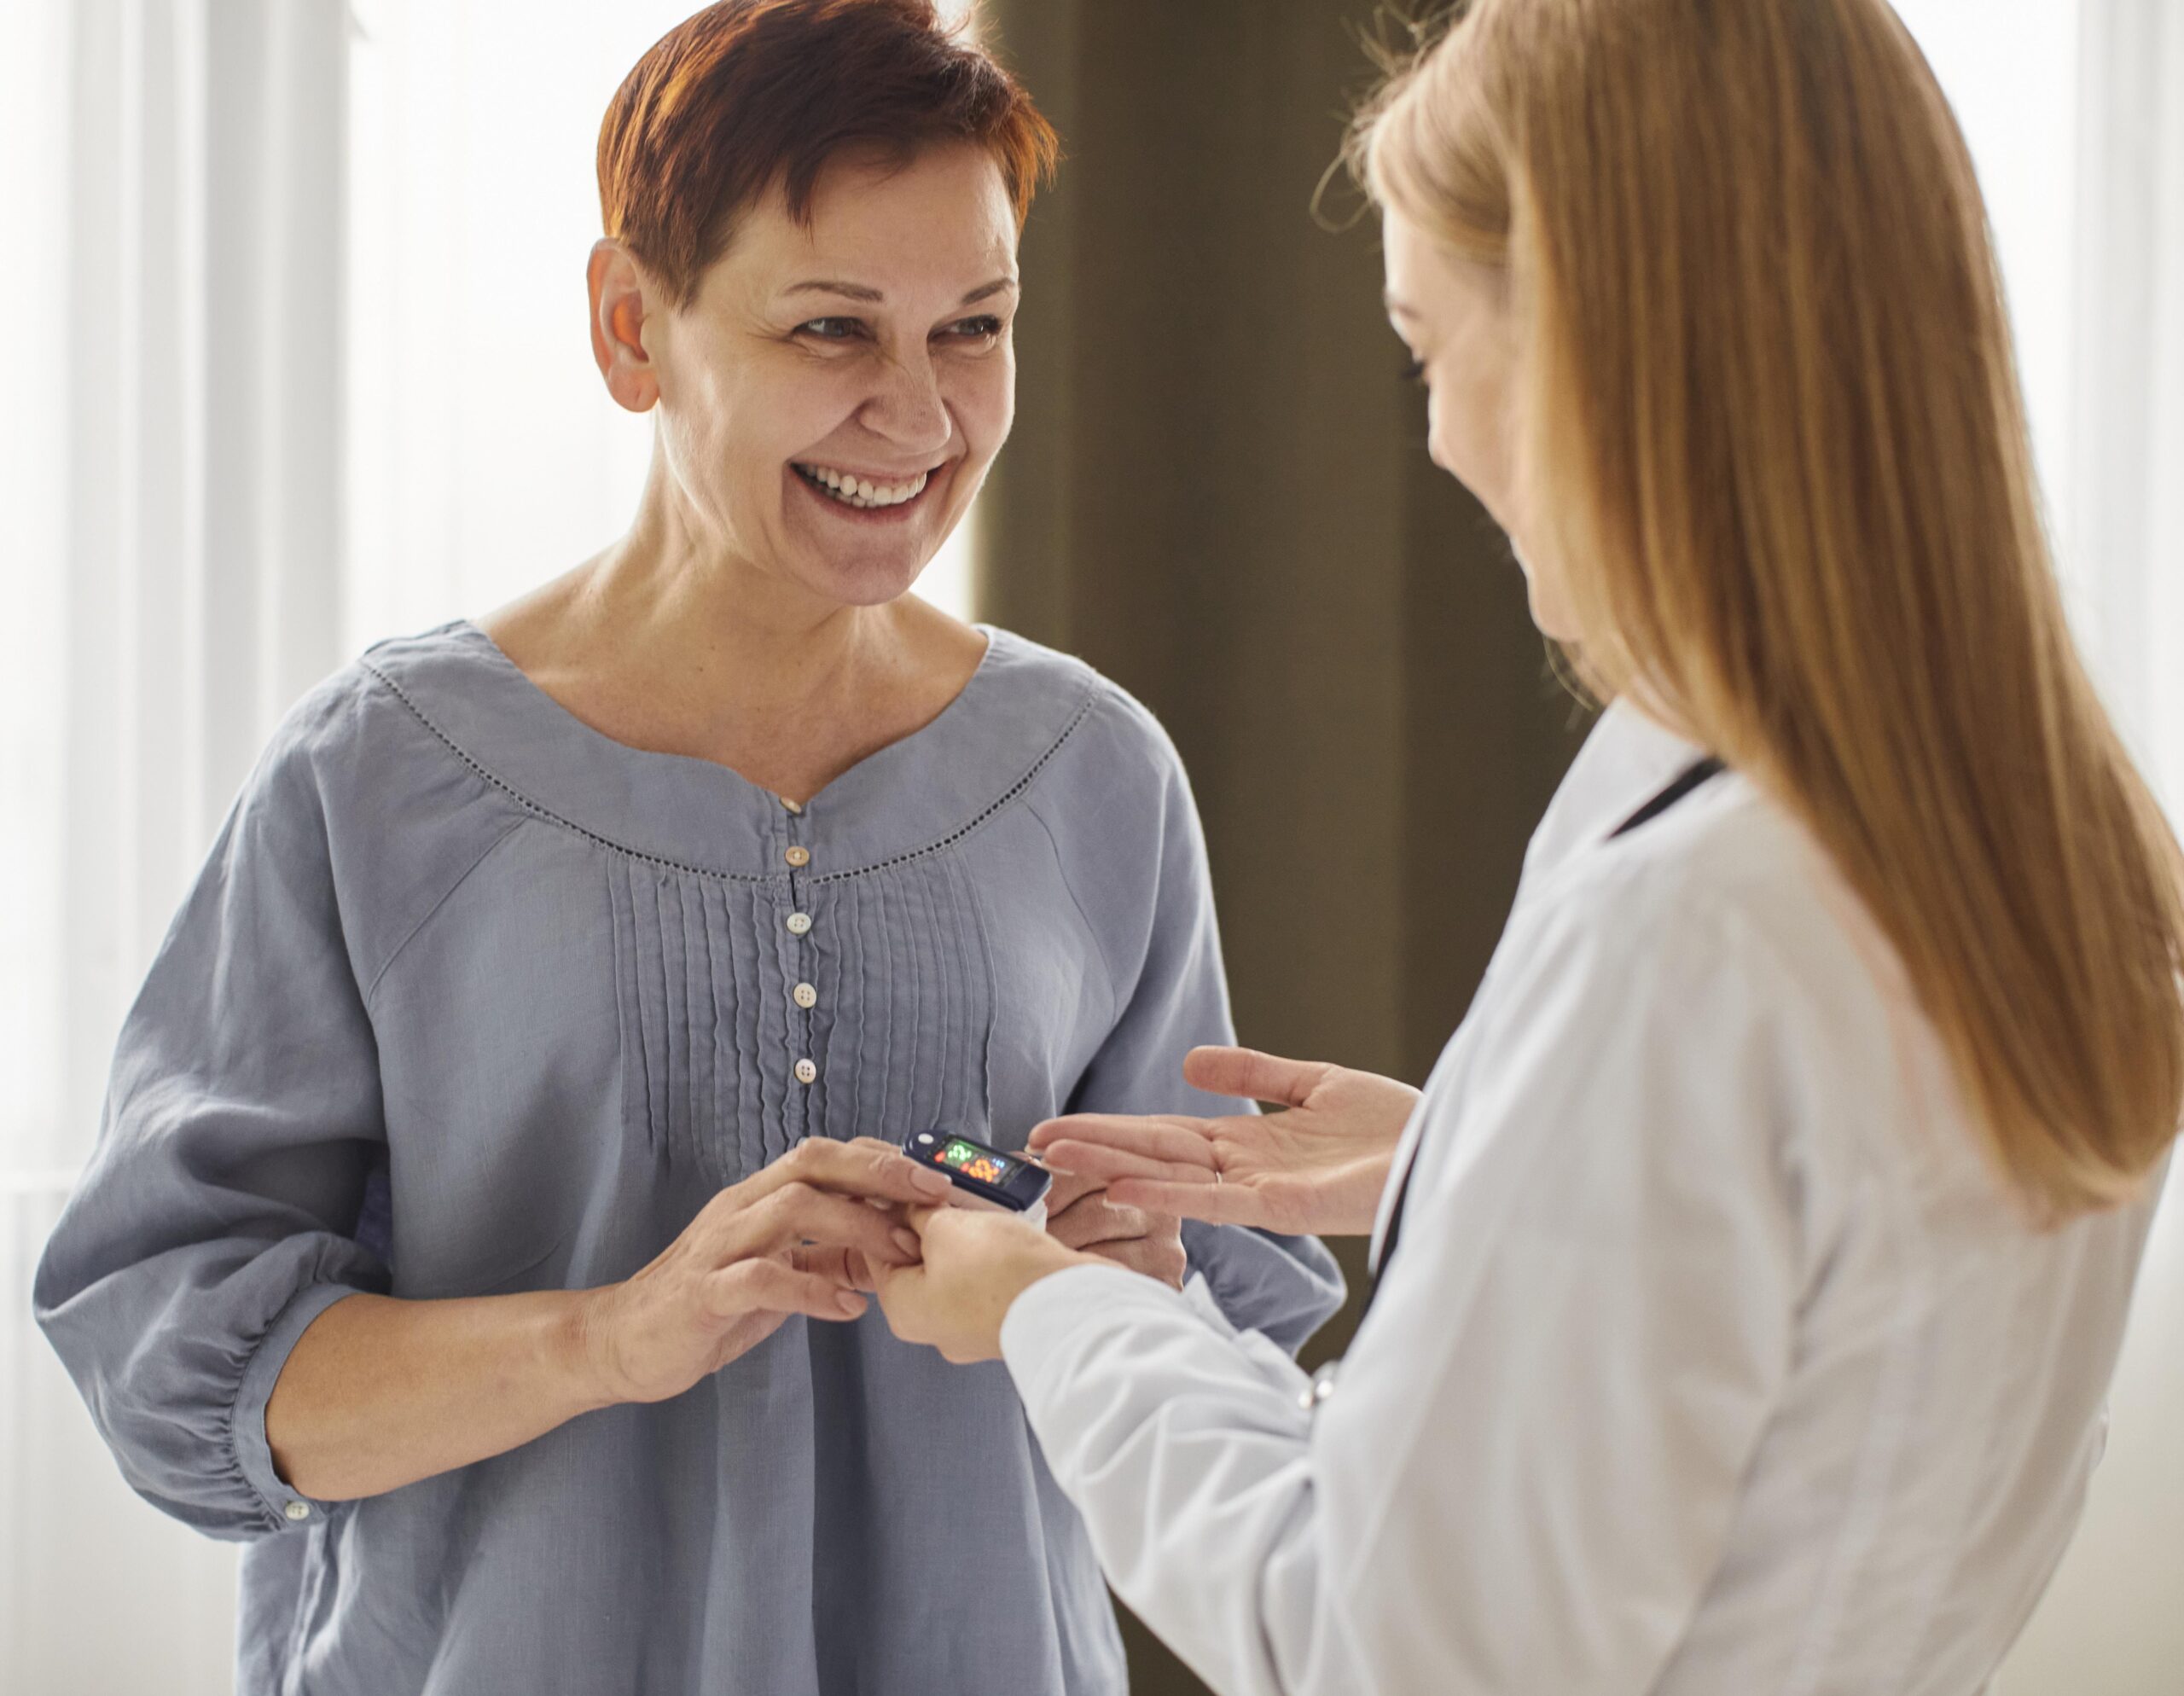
point(1318, 1166)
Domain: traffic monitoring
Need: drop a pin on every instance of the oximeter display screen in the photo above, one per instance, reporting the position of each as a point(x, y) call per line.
point(960, 1155)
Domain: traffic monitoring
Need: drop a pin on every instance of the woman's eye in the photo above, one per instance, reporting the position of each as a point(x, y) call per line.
point(976, 329)
point(832, 329)
point(1415, 372)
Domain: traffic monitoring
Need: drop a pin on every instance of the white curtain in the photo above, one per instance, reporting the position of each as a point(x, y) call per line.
point(168, 478)
point(2112, 1623)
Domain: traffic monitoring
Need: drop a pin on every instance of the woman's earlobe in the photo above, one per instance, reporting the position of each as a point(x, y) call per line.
point(631, 392)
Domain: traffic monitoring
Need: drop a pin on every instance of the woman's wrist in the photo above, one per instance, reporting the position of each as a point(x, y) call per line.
point(583, 1349)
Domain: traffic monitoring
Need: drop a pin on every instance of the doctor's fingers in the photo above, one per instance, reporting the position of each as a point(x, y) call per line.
point(1216, 1204)
point(1168, 1141)
point(1108, 1167)
point(1252, 1075)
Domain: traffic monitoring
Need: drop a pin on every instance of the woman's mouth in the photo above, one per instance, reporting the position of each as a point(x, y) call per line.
point(863, 494)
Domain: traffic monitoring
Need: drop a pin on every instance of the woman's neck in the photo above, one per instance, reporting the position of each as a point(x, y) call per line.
point(663, 643)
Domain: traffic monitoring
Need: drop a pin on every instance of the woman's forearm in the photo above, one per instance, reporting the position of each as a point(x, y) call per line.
point(378, 1393)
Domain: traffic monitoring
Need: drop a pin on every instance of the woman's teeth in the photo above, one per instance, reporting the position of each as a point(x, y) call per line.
point(851, 491)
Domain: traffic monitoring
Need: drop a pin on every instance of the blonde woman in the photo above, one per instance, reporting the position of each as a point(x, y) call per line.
point(1753, 1265)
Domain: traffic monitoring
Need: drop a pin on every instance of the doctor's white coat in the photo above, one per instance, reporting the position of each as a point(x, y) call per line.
point(1713, 1363)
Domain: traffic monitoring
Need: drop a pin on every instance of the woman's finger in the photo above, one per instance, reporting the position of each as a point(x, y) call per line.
point(1225, 1203)
point(866, 1168)
point(1066, 1189)
point(846, 1266)
point(1099, 1219)
point(1252, 1076)
point(1177, 1141)
point(775, 1287)
point(796, 1213)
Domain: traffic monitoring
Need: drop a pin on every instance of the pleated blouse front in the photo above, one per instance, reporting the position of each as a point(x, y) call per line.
point(469, 999)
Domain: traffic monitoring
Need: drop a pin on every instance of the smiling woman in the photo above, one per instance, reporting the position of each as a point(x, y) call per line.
point(492, 1170)
point(472, 196)
point(865, 340)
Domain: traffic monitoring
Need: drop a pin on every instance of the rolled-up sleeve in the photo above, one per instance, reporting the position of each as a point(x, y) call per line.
point(1283, 1286)
point(214, 1221)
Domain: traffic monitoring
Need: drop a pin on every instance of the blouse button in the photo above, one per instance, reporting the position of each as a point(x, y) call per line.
point(805, 1072)
point(297, 1510)
point(805, 996)
point(798, 857)
point(793, 806)
point(798, 923)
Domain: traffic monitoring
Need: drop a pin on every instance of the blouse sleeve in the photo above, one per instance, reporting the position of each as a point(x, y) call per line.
point(1525, 1475)
point(215, 1219)
point(1177, 999)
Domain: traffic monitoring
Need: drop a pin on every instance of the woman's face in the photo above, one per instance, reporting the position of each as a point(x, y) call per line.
point(873, 344)
point(1452, 314)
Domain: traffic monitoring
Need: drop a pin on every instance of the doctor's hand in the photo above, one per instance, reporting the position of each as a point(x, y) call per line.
point(1318, 1166)
point(1082, 1215)
point(976, 1263)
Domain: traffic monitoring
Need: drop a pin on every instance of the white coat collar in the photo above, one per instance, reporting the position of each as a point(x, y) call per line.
point(1627, 760)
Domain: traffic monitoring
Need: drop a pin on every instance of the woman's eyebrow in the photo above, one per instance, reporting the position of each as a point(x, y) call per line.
point(857, 291)
point(854, 291)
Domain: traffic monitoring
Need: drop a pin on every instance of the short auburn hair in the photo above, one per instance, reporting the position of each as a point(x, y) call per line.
point(748, 95)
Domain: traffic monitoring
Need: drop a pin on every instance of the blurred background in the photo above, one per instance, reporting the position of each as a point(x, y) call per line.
point(299, 360)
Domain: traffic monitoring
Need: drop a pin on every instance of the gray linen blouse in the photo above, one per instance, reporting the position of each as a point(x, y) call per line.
point(470, 999)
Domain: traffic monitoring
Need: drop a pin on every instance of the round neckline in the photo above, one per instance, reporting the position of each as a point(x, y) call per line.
point(695, 815)
point(499, 657)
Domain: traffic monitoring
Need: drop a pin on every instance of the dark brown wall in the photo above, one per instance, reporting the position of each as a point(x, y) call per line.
point(1218, 494)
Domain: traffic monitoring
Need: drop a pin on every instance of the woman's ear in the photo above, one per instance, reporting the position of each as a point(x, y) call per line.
point(619, 310)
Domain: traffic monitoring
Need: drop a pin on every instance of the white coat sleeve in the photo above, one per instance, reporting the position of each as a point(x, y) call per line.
point(1526, 1474)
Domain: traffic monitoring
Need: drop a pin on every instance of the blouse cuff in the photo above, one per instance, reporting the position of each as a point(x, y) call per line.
point(253, 1455)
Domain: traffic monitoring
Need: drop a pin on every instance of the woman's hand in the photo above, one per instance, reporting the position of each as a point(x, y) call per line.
point(1082, 1215)
point(976, 1263)
point(1319, 1166)
point(801, 1236)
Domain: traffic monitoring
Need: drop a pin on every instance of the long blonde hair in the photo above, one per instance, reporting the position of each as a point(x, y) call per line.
point(1772, 417)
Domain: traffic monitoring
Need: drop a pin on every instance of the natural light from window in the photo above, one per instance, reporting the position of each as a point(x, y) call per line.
point(2010, 68)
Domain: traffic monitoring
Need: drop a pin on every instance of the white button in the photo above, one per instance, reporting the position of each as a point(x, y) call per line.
point(793, 806)
point(798, 857)
point(805, 996)
point(805, 1072)
point(1321, 1387)
point(798, 923)
point(297, 1510)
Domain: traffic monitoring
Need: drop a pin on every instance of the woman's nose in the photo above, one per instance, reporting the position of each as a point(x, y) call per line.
point(908, 410)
